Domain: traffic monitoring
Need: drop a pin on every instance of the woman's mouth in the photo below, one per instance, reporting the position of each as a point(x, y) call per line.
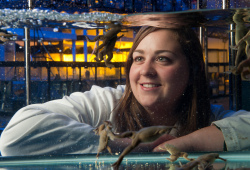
point(150, 85)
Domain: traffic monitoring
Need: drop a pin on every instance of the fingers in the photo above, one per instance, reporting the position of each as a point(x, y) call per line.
point(159, 148)
point(161, 141)
point(163, 147)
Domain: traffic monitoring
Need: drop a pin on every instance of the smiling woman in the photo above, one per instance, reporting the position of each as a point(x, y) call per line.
point(166, 75)
point(158, 66)
point(165, 85)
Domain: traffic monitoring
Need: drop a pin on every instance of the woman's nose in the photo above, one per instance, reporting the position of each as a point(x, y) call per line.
point(147, 69)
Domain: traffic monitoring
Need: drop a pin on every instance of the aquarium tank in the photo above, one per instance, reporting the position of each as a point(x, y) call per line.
point(45, 55)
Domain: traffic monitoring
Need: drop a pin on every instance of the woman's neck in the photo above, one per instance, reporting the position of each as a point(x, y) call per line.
point(165, 117)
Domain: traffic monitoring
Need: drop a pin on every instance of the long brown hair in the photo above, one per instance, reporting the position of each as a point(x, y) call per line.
point(194, 110)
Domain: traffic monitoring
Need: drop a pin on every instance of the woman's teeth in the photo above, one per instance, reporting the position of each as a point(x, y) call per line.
point(149, 85)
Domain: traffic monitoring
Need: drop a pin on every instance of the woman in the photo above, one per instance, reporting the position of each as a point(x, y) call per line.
point(181, 65)
point(171, 61)
point(166, 85)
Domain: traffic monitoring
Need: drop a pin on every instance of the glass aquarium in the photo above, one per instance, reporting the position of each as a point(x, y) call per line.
point(45, 55)
point(234, 160)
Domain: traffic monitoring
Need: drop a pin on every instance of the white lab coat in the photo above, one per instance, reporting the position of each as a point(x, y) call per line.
point(66, 125)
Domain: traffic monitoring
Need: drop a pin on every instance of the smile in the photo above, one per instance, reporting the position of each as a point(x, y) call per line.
point(150, 85)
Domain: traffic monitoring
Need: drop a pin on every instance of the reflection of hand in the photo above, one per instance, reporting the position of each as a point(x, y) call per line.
point(241, 69)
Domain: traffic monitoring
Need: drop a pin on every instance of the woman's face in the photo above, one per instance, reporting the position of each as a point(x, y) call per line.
point(159, 73)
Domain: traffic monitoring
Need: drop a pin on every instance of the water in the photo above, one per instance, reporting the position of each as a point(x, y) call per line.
point(14, 18)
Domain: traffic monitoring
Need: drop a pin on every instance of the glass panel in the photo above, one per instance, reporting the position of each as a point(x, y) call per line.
point(63, 62)
point(147, 161)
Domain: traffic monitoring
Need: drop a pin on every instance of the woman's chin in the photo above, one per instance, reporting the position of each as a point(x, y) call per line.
point(149, 106)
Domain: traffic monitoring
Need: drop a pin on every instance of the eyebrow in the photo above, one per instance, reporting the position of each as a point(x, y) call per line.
point(157, 52)
point(139, 51)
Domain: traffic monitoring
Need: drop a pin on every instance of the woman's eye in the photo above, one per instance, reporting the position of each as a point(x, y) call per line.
point(163, 59)
point(136, 59)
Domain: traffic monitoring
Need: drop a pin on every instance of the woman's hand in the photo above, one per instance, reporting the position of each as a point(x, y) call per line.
point(162, 140)
point(206, 139)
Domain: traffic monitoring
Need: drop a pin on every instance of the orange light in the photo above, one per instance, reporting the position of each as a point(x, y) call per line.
point(80, 58)
point(123, 45)
point(54, 56)
point(67, 57)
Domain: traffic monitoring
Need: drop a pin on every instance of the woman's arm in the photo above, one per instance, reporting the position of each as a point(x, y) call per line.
point(59, 126)
point(232, 133)
point(206, 139)
point(47, 133)
point(236, 130)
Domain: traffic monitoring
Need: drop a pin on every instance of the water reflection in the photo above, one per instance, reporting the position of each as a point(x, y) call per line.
point(50, 18)
point(174, 20)
point(188, 18)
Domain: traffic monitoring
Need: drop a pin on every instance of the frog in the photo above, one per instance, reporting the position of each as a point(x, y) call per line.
point(203, 162)
point(175, 153)
point(245, 42)
point(242, 40)
point(109, 39)
point(144, 135)
point(103, 130)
